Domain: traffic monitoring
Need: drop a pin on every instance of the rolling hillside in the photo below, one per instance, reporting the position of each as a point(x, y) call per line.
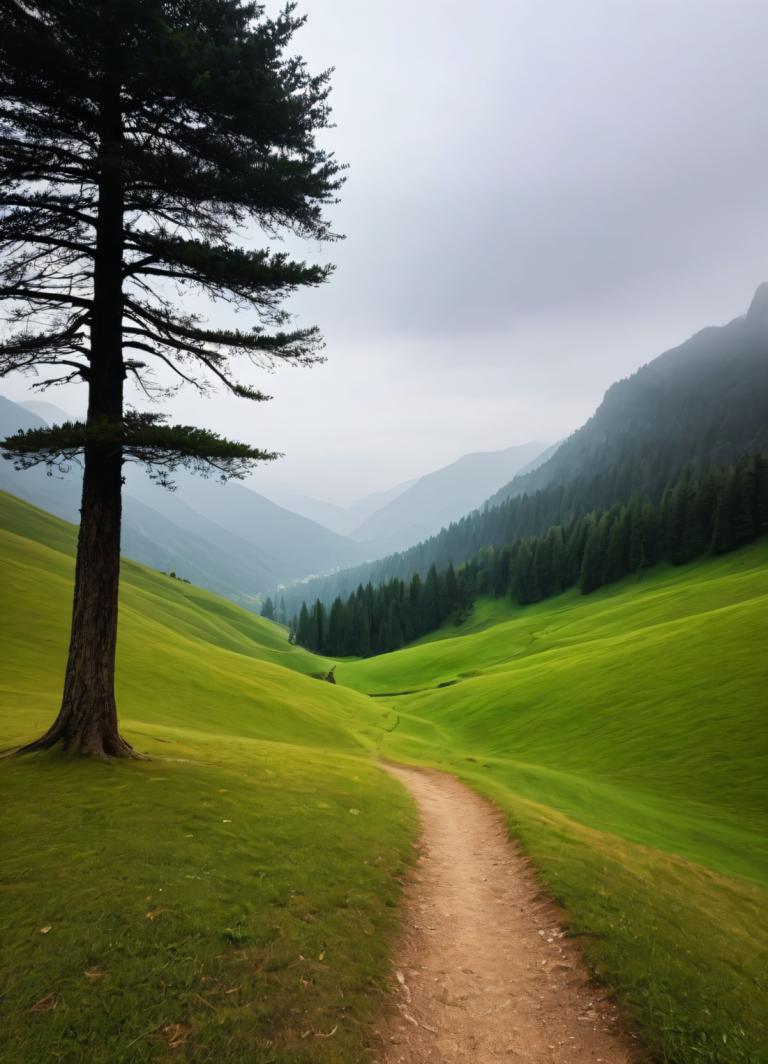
point(624, 734)
point(252, 866)
point(183, 901)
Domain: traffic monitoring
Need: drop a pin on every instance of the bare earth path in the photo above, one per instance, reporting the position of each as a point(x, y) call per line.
point(483, 973)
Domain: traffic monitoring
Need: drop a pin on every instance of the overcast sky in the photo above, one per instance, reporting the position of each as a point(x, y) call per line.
point(541, 197)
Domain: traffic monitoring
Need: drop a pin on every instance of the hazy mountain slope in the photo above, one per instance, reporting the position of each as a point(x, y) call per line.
point(13, 417)
point(285, 542)
point(705, 401)
point(540, 459)
point(225, 538)
point(441, 497)
point(341, 519)
point(49, 412)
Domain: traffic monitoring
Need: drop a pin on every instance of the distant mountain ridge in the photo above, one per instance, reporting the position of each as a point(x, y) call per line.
point(438, 498)
point(341, 519)
point(228, 539)
point(238, 542)
point(703, 402)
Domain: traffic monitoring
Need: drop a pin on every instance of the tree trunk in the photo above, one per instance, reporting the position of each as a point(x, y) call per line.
point(87, 720)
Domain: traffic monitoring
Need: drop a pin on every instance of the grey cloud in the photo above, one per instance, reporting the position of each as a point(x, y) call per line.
point(541, 197)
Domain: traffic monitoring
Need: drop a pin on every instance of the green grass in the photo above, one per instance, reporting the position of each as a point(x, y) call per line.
point(625, 736)
point(236, 894)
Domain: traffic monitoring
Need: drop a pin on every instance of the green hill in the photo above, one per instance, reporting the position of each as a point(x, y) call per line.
point(232, 899)
point(233, 895)
point(625, 735)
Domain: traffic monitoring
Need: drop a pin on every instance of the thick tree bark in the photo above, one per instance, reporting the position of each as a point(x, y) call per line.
point(87, 720)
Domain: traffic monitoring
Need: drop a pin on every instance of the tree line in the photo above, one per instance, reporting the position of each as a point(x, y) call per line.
point(377, 620)
point(702, 403)
point(712, 511)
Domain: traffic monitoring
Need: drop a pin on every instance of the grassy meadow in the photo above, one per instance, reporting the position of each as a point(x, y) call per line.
point(624, 734)
point(229, 900)
point(233, 898)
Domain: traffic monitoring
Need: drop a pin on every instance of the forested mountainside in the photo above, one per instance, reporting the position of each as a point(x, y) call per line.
point(703, 403)
point(714, 512)
point(227, 539)
point(706, 399)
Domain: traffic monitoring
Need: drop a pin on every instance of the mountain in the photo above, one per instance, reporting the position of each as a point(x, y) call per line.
point(49, 412)
point(704, 402)
point(341, 519)
point(277, 539)
point(438, 498)
point(226, 538)
point(390, 520)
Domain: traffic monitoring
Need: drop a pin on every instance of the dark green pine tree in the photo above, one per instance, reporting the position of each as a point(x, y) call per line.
point(616, 562)
point(723, 538)
point(338, 635)
point(430, 601)
point(303, 627)
point(318, 628)
point(451, 589)
point(268, 609)
point(138, 140)
point(363, 634)
point(592, 562)
point(760, 467)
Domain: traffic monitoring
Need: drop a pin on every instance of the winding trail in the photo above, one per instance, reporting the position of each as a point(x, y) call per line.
point(483, 972)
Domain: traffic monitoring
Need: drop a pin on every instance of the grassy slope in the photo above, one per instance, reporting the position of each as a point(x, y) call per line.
point(625, 736)
point(229, 900)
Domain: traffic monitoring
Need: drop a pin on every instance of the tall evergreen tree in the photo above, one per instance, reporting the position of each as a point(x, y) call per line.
point(304, 634)
point(591, 576)
point(138, 138)
point(318, 627)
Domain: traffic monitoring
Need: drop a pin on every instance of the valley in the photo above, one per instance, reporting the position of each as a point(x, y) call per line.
point(261, 850)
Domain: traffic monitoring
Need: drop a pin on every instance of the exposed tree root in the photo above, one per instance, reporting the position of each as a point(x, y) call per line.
point(94, 745)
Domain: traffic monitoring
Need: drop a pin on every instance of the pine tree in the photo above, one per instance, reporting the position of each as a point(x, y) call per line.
point(616, 563)
point(336, 643)
point(451, 589)
point(431, 601)
point(760, 464)
point(591, 576)
point(318, 628)
point(268, 609)
point(139, 138)
point(304, 627)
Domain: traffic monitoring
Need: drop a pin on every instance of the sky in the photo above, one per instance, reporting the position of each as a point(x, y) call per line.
point(541, 197)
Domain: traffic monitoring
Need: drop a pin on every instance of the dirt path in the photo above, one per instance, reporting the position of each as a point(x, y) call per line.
point(483, 973)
